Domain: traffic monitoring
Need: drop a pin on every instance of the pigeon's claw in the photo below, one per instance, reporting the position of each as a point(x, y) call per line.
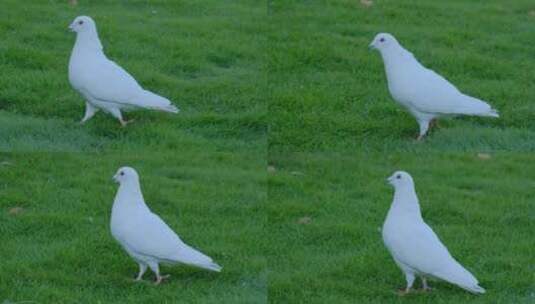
point(142, 269)
point(160, 278)
point(403, 291)
point(125, 122)
point(84, 120)
point(425, 287)
point(434, 124)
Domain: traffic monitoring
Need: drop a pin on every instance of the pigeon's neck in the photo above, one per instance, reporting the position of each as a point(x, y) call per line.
point(396, 54)
point(88, 40)
point(130, 193)
point(406, 200)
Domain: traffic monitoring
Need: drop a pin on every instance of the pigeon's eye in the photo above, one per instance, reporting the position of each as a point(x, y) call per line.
point(398, 176)
point(80, 22)
point(122, 173)
point(382, 39)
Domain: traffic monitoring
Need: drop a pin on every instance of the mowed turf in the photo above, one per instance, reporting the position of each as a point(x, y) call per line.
point(306, 73)
point(329, 91)
point(326, 212)
point(335, 135)
point(204, 56)
point(56, 244)
point(202, 170)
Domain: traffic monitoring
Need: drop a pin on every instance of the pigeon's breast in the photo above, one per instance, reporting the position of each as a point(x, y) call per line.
point(396, 230)
point(75, 73)
point(122, 222)
point(389, 230)
point(402, 88)
point(83, 68)
point(78, 73)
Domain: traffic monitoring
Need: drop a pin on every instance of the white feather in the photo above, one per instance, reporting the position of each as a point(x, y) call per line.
point(103, 83)
point(144, 235)
point(424, 93)
point(413, 244)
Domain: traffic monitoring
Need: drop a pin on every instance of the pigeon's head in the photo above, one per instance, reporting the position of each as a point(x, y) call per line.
point(383, 41)
point(82, 24)
point(125, 174)
point(400, 179)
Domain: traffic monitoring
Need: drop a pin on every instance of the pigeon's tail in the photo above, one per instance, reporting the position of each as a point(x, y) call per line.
point(494, 113)
point(456, 274)
point(474, 289)
point(152, 101)
point(473, 106)
point(212, 266)
point(172, 108)
point(191, 256)
point(490, 113)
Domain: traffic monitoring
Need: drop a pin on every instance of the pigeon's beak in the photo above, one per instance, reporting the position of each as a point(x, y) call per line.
point(390, 179)
point(372, 46)
point(115, 178)
point(71, 27)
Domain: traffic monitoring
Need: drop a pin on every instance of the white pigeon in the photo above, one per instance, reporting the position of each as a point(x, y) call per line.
point(416, 249)
point(424, 93)
point(144, 235)
point(103, 83)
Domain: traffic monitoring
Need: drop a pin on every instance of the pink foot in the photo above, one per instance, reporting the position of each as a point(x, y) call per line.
point(159, 279)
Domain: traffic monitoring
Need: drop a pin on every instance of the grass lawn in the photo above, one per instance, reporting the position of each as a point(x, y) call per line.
point(326, 211)
point(336, 135)
point(205, 57)
point(291, 84)
point(329, 92)
point(202, 170)
point(56, 243)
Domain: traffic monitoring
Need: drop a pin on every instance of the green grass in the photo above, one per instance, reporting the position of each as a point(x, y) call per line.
point(205, 57)
point(481, 209)
point(202, 171)
point(291, 84)
point(329, 92)
point(335, 135)
point(58, 247)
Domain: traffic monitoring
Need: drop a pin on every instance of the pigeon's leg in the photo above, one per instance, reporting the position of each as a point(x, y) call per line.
point(424, 126)
point(434, 124)
point(156, 269)
point(409, 276)
point(142, 269)
point(117, 114)
point(90, 110)
point(425, 287)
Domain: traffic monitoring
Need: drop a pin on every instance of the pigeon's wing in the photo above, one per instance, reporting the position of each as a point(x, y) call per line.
point(107, 81)
point(104, 80)
point(423, 251)
point(154, 238)
point(435, 94)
